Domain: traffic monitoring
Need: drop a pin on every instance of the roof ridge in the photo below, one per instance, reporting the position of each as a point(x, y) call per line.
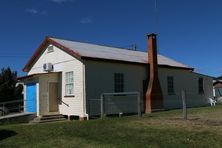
point(173, 60)
point(86, 42)
point(118, 48)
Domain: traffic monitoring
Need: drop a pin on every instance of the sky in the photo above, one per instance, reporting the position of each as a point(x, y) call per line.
point(189, 31)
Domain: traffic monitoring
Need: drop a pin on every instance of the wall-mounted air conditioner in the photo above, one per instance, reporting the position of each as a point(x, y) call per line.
point(48, 67)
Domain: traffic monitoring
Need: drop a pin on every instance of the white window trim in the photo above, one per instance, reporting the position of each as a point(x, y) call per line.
point(66, 84)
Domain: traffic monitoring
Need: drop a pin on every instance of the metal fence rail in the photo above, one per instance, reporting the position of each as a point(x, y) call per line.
point(133, 102)
point(115, 104)
point(136, 101)
point(11, 107)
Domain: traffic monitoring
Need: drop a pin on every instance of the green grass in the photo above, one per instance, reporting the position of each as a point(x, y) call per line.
point(163, 129)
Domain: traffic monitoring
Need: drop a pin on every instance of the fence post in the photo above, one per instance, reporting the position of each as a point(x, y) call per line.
point(19, 108)
point(3, 108)
point(183, 95)
point(139, 104)
point(101, 105)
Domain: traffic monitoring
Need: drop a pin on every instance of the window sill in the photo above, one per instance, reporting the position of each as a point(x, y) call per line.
point(69, 96)
point(120, 95)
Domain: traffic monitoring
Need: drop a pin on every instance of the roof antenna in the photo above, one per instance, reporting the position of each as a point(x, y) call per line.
point(155, 16)
point(156, 19)
point(134, 47)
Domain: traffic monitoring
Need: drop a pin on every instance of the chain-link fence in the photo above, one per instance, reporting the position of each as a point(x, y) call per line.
point(116, 104)
point(127, 103)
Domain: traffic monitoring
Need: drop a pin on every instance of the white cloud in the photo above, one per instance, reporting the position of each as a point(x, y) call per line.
point(86, 20)
point(35, 11)
point(60, 1)
point(31, 10)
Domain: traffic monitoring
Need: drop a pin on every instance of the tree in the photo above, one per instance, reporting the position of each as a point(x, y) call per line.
point(8, 89)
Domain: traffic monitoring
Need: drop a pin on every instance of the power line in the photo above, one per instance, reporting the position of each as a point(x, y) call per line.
point(14, 56)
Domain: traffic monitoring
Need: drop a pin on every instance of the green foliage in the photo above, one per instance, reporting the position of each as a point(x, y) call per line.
point(8, 89)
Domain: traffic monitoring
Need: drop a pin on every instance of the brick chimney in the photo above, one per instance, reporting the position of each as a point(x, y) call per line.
point(154, 97)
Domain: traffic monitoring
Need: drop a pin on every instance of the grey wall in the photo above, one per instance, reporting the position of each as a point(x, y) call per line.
point(100, 79)
point(188, 81)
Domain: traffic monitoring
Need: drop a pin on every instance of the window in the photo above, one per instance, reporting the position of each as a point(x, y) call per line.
point(118, 82)
point(200, 85)
point(69, 83)
point(170, 85)
point(50, 49)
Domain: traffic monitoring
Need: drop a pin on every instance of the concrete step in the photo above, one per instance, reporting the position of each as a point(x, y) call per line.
point(48, 118)
point(52, 115)
point(51, 120)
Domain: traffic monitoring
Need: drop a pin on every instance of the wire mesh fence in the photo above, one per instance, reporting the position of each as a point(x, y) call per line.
point(116, 104)
point(193, 99)
point(128, 103)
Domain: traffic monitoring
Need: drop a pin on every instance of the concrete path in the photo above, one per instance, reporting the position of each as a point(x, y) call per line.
point(15, 115)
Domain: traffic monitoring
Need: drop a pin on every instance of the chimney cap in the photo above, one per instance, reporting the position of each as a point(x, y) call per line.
point(151, 34)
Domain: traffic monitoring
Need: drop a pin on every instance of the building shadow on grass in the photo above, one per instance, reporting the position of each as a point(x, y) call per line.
point(6, 134)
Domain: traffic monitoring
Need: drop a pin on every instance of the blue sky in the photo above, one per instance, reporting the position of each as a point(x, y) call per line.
point(189, 31)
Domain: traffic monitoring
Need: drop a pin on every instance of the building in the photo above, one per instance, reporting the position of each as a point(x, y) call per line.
point(64, 77)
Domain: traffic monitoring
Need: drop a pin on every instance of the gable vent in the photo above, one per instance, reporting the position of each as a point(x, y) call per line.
point(50, 49)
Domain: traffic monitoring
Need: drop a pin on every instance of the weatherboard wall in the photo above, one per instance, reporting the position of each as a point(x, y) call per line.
point(187, 81)
point(63, 63)
point(100, 79)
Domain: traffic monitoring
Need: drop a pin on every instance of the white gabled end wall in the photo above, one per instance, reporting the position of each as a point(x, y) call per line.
point(63, 62)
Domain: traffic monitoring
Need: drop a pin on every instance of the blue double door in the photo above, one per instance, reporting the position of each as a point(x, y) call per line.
point(31, 97)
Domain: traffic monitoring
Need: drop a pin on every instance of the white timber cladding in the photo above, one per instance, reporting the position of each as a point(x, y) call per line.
point(100, 79)
point(187, 81)
point(63, 62)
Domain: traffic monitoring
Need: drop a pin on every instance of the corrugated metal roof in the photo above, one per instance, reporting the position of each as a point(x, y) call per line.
point(113, 53)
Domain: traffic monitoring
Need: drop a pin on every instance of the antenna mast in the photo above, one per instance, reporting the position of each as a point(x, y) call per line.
point(155, 17)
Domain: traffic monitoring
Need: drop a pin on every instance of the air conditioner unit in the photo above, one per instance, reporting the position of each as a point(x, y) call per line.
point(48, 67)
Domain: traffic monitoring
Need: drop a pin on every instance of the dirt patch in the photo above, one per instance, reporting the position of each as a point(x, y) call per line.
point(213, 123)
point(198, 121)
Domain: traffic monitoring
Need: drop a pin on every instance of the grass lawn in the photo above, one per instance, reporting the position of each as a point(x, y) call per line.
point(163, 129)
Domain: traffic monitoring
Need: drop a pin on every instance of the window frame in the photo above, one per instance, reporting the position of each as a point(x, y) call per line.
point(69, 81)
point(119, 82)
point(170, 85)
point(201, 85)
